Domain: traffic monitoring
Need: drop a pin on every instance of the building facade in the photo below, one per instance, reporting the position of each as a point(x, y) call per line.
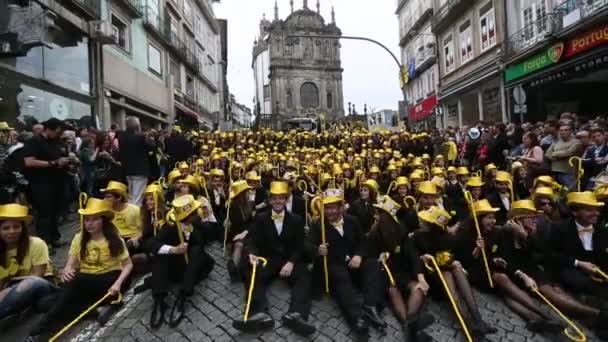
point(470, 40)
point(382, 120)
point(419, 58)
point(240, 115)
point(154, 59)
point(298, 76)
point(556, 58)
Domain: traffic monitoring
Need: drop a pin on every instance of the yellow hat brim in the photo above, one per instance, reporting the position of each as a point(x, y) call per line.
point(26, 219)
point(88, 212)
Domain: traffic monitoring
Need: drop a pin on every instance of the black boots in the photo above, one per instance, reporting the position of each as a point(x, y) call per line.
point(177, 312)
point(413, 328)
point(370, 313)
point(157, 317)
point(295, 322)
point(259, 321)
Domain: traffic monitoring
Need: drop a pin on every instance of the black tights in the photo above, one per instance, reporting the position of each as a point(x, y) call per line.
point(461, 290)
point(518, 300)
point(415, 301)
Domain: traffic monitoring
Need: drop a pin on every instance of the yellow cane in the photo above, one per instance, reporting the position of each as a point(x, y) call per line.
point(323, 241)
point(180, 234)
point(391, 186)
point(388, 270)
point(469, 198)
point(436, 268)
point(84, 313)
point(155, 213)
point(303, 187)
point(579, 170)
point(251, 286)
point(227, 226)
point(599, 276)
point(82, 202)
point(581, 336)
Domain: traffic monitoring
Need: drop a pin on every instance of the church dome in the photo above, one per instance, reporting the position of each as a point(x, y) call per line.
point(305, 18)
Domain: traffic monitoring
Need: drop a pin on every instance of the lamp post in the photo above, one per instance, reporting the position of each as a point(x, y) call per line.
point(399, 65)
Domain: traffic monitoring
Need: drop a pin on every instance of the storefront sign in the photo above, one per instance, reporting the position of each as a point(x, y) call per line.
point(581, 68)
point(587, 41)
point(423, 109)
point(549, 57)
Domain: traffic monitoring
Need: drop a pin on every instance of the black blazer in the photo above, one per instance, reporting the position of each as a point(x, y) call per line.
point(263, 239)
point(501, 215)
point(362, 210)
point(298, 205)
point(133, 153)
point(566, 246)
point(168, 235)
point(351, 244)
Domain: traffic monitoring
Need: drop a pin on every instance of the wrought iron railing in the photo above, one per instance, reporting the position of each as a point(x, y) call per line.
point(91, 6)
point(575, 10)
point(534, 33)
point(136, 7)
point(153, 20)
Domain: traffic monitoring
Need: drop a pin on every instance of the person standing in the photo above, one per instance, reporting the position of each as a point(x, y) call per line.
point(560, 152)
point(45, 170)
point(133, 156)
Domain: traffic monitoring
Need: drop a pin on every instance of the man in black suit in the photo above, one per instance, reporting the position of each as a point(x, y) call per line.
point(278, 236)
point(133, 156)
point(501, 198)
point(580, 247)
point(345, 251)
point(295, 202)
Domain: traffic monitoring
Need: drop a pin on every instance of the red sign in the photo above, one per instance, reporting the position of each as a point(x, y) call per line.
point(587, 41)
point(423, 109)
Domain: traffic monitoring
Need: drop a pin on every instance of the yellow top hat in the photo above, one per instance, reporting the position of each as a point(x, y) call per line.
point(391, 167)
point(426, 156)
point(371, 184)
point(238, 187)
point(523, 208)
point(15, 212)
point(417, 175)
point(216, 157)
point(601, 192)
point(503, 176)
point(191, 181)
point(4, 126)
point(97, 207)
point(252, 176)
point(475, 182)
point(402, 180)
point(387, 204)
point(200, 162)
point(346, 166)
point(173, 175)
point(331, 196)
point(435, 215)
point(337, 170)
point(216, 173)
point(428, 188)
point(586, 199)
point(462, 171)
point(184, 206)
point(490, 167)
point(483, 207)
point(153, 188)
point(116, 188)
point(437, 171)
point(279, 188)
point(416, 162)
point(439, 181)
point(516, 165)
point(177, 128)
point(439, 157)
point(374, 169)
point(544, 180)
point(451, 169)
point(543, 191)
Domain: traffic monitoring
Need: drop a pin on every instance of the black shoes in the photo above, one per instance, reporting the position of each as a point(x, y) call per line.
point(371, 314)
point(157, 317)
point(145, 286)
point(544, 326)
point(104, 313)
point(481, 328)
point(177, 309)
point(295, 322)
point(259, 321)
point(232, 271)
point(360, 327)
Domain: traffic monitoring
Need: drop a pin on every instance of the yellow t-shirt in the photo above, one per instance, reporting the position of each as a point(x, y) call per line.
point(127, 221)
point(37, 255)
point(97, 258)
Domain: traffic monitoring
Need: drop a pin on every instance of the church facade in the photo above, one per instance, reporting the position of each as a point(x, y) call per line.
point(295, 75)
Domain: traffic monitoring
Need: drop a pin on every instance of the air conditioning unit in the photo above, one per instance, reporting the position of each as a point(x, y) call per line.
point(102, 31)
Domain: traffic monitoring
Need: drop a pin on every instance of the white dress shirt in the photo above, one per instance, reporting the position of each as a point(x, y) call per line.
point(289, 204)
point(506, 201)
point(251, 195)
point(185, 230)
point(278, 219)
point(339, 226)
point(586, 236)
point(217, 195)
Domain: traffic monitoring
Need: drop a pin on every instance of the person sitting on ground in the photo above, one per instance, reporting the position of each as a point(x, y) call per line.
point(126, 215)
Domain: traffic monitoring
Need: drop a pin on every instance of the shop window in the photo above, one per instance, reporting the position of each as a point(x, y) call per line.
point(487, 24)
point(155, 60)
point(448, 54)
point(309, 95)
point(120, 32)
point(466, 43)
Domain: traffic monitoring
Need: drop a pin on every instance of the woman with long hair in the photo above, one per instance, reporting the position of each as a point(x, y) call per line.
point(533, 157)
point(520, 179)
point(408, 292)
point(98, 263)
point(25, 267)
point(240, 217)
point(361, 208)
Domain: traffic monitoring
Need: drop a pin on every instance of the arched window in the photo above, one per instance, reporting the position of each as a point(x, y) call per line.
point(309, 95)
point(330, 100)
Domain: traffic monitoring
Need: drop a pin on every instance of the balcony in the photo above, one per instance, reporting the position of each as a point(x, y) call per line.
point(449, 12)
point(533, 34)
point(178, 46)
point(574, 11)
point(135, 7)
point(419, 18)
point(154, 23)
point(92, 8)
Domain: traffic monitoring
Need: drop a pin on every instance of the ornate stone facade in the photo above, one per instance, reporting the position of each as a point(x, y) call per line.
point(304, 76)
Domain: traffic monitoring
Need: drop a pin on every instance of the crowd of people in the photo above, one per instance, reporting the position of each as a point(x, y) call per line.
point(375, 219)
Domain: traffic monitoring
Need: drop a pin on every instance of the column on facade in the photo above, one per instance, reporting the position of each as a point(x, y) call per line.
point(480, 103)
point(459, 112)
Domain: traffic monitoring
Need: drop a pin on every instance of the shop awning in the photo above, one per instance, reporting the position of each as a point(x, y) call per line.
point(181, 109)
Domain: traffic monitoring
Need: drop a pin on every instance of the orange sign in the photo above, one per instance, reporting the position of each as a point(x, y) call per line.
point(587, 41)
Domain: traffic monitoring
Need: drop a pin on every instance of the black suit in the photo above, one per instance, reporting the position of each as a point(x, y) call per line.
point(298, 205)
point(362, 210)
point(567, 247)
point(265, 241)
point(173, 267)
point(133, 153)
point(496, 202)
point(342, 247)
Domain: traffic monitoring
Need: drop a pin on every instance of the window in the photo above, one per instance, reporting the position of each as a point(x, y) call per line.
point(330, 100)
point(120, 32)
point(466, 43)
point(534, 19)
point(189, 85)
point(487, 23)
point(176, 73)
point(448, 51)
point(309, 95)
point(187, 10)
point(267, 92)
point(197, 27)
point(289, 99)
point(154, 59)
point(153, 13)
point(173, 26)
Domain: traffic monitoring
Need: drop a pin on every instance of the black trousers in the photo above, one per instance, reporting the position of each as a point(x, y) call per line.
point(46, 199)
point(74, 298)
point(167, 268)
point(580, 282)
point(343, 281)
point(300, 282)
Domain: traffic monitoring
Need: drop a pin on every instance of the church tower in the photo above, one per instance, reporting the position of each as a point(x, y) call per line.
point(298, 76)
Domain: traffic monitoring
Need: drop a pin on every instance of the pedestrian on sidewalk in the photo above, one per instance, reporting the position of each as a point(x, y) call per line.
point(133, 156)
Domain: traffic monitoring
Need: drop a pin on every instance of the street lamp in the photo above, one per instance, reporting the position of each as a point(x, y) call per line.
point(401, 66)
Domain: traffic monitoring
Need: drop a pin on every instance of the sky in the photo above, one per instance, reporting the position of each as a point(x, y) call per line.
point(370, 74)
